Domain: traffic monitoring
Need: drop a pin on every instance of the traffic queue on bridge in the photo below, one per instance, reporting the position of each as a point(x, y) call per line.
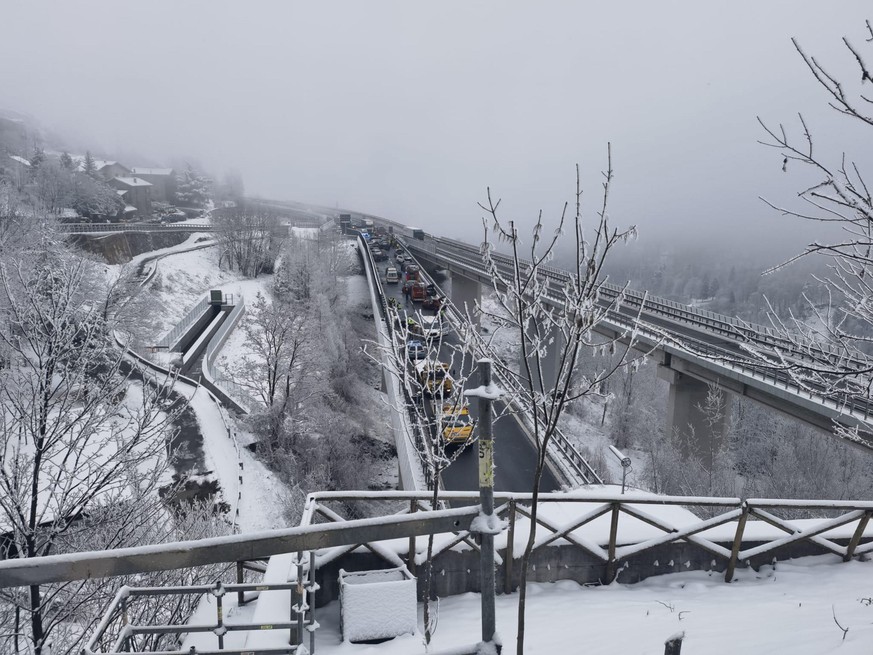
point(422, 334)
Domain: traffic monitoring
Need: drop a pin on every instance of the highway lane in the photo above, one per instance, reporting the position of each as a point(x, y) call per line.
point(514, 455)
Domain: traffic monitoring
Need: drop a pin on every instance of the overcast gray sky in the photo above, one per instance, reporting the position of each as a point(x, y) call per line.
point(410, 109)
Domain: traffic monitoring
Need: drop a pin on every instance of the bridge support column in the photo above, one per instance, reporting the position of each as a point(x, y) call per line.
point(700, 427)
point(465, 294)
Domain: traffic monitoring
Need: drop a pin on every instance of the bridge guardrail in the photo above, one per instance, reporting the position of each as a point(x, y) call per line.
point(729, 327)
point(80, 228)
point(409, 462)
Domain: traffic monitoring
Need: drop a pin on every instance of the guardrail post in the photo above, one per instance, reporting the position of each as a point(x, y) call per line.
point(738, 541)
point(410, 560)
point(856, 537)
point(240, 595)
point(301, 598)
point(613, 538)
point(313, 587)
point(509, 556)
point(219, 614)
point(127, 643)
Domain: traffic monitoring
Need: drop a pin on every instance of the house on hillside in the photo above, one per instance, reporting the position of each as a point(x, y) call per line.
point(110, 169)
point(138, 195)
point(104, 168)
point(163, 181)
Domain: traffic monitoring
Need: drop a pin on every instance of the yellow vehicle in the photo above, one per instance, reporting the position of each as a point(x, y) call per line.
point(434, 377)
point(456, 426)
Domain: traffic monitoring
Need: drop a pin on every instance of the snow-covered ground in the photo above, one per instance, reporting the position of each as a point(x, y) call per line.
point(789, 608)
point(792, 607)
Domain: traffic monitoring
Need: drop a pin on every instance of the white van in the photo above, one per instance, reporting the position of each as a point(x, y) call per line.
point(391, 275)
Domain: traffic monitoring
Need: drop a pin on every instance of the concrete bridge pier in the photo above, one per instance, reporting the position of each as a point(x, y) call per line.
point(465, 294)
point(701, 429)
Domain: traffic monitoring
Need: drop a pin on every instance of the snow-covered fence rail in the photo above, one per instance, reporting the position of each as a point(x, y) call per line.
point(235, 548)
point(580, 535)
point(614, 530)
point(408, 439)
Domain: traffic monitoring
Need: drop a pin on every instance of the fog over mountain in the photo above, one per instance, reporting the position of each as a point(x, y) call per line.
point(410, 111)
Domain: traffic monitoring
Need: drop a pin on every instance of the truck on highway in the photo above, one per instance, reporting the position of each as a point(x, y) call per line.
point(456, 426)
point(434, 378)
point(418, 291)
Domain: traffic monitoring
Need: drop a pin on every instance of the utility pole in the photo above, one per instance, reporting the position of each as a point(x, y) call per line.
point(485, 448)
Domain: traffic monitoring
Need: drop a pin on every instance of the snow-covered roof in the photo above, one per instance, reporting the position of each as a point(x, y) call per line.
point(99, 164)
point(121, 192)
point(151, 171)
point(129, 208)
point(133, 181)
point(20, 160)
point(68, 212)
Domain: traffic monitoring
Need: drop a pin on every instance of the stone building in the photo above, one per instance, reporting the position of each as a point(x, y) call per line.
point(137, 193)
point(163, 181)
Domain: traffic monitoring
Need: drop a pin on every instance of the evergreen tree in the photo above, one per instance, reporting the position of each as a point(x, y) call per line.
point(192, 189)
point(89, 167)
point(67, 161)
point(37, 158)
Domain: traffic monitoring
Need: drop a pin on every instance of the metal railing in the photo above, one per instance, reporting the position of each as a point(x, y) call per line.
point(737, 533)
point(125, 641)
point(81, 228)
point(191, 316)
point(237, 392)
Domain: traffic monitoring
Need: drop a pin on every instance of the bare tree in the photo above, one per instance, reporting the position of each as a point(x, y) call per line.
point(279, 339)
point(554, 324)
point(829, 350)
point(76, 438)
point(248, 242)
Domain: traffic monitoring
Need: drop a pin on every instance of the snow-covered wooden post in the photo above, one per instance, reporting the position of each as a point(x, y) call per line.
point(673, 646)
